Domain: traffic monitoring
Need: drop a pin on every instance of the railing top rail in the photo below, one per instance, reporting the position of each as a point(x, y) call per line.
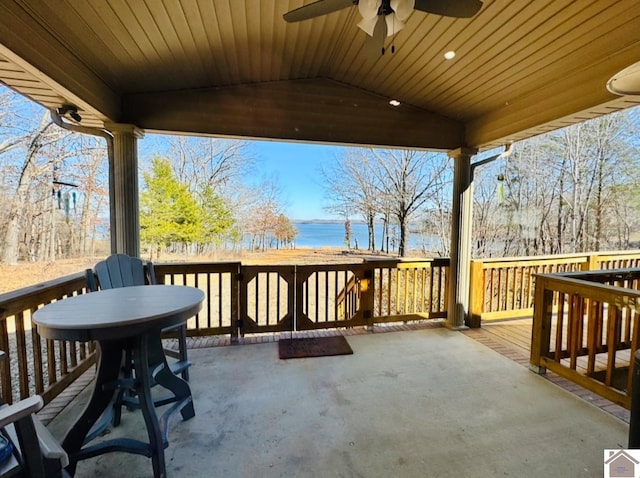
point(204, 266)
point(330, 267)
point(612, 255)
point(587, 289)
point(529, 262)
point(627, 273)
point(269, 267)
point(408, 261)
point(379, 263)
point(20, 299)
point(562, 258)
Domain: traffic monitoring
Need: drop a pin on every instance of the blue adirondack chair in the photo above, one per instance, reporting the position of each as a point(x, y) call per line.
point(121, 270)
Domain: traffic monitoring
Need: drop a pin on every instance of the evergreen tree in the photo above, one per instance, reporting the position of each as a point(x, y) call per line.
point(169, 214)
point(216, 219)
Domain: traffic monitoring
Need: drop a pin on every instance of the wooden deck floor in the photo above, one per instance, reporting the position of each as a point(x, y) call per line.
point(513, 339)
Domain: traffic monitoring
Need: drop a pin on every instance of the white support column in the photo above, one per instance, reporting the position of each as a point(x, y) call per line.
point(460, 253)
point(123, 189)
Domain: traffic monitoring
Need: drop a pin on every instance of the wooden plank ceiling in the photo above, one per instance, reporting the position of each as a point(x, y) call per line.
point(236, 68)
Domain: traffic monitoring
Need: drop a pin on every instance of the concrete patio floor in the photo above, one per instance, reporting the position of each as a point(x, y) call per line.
point(423, 403)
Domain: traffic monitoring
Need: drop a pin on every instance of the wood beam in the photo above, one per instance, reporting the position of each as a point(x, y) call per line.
point(51, 62)
point(317, 110)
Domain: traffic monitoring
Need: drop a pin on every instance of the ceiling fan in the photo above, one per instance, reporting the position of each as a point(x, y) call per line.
point(382, 18)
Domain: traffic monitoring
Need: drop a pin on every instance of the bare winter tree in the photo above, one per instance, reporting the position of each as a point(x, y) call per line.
point(12, 129)
point(264, 214)
point(31, 169)
point(437, 222)
point(91, 177)
point(408, 180)
point(488, 201)
point(350, 189)
point(572, 190)
point(209, 162)
point(526, 213)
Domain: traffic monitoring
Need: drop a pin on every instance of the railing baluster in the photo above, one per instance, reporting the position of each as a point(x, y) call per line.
point(21, 352)
point(196, 283)
point(398, 304)
point(316, 277)
point(388, 290)
point(268, 297)
point(256, 313)
point(38, 375)
point(209, 304)
point(278, 294)
point(306, 297)
point(634, 348)
point(591, 337)
point(612, 343)
point(414, 290)
point(51, 361)
point(405, 287)
point(573, 331)
point(561, 336)
point(336, 291)
point(326, 296)
point(5, 363)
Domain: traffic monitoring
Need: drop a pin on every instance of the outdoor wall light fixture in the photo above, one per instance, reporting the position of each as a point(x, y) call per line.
point(70, 111)
point(626, 82)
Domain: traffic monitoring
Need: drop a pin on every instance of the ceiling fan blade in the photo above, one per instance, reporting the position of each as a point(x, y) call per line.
point(373, 45)
point(450, 8)
point(316, 9)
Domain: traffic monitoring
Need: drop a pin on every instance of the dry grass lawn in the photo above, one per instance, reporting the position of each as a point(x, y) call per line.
point(26, 274)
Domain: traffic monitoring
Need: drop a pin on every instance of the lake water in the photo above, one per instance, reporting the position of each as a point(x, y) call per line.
point(316, 235)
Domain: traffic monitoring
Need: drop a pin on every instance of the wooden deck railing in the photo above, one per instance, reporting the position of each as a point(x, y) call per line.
point(31, 365)
point(585, 328)
point(245, 299)
point(239, 300)
point(409, 290)
point(503, 288)
point(219, 282)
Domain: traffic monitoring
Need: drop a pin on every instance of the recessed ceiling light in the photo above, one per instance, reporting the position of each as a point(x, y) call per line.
point(394, 102)
point(450, 55)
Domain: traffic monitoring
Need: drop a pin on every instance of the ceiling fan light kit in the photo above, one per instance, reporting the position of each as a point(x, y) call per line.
point(395, 14)
point(626, 82)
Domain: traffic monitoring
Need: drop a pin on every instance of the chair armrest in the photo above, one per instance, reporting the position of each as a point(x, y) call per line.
point(49, 446)
point(17, 411)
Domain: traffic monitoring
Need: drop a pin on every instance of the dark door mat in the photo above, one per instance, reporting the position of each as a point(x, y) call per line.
point(313, 347)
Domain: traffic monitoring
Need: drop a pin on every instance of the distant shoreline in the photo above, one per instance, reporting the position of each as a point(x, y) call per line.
point(332, 221)
point(323, 221)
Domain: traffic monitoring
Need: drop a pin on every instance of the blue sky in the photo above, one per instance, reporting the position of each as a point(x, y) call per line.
point(297, 167)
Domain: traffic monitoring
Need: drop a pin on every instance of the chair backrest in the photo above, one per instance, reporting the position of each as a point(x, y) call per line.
point(120, 270)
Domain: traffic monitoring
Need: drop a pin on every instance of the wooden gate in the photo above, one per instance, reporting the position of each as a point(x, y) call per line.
point(267, 299)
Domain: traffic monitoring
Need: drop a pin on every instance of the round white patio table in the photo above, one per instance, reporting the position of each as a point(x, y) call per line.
point(124, 321)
